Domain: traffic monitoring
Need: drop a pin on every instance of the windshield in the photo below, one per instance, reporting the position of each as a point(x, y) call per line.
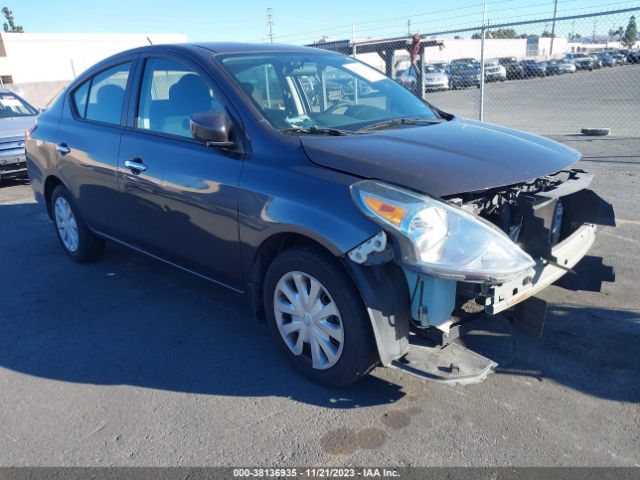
point(322, 91)
point(13, 106)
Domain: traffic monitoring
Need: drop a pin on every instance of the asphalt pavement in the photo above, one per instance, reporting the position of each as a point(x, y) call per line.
point(129, 362)
point(558, 104)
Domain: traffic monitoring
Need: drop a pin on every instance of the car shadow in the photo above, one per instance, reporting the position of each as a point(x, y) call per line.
point(131, 320)
point(590, 349)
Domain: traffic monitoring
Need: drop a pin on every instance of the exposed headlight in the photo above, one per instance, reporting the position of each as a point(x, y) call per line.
point(440, 239)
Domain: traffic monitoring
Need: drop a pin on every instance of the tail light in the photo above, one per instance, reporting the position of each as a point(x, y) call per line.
point(29, 131)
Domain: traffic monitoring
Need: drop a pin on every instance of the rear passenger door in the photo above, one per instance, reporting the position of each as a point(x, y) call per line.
point(88, 140)
point(180, 203)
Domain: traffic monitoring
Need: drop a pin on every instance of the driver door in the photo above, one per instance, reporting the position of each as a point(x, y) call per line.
point(178, 196)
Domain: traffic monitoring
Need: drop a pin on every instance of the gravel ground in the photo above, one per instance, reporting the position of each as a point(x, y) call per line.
point(130, 362)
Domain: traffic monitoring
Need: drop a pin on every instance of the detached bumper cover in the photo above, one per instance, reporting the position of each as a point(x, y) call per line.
point(568, 253)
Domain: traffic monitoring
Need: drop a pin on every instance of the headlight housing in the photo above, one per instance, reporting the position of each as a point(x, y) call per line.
point(440, 239)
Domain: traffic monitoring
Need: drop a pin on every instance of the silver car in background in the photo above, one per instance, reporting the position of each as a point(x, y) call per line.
point(16, 115)
point(434, 79)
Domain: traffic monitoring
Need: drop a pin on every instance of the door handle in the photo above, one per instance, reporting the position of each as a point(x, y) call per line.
point(63, 149)
point(136, 166)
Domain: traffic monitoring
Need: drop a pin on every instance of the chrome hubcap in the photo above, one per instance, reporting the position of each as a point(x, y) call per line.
point(308, 319)
point(66, 224)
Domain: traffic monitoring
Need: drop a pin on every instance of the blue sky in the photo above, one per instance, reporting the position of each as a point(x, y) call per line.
point(298, 22)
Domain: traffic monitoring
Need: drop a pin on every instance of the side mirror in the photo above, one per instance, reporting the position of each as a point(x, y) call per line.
point(211, 128)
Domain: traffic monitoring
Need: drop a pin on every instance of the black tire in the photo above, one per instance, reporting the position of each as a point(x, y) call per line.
point(359, 353)
point(90, 246)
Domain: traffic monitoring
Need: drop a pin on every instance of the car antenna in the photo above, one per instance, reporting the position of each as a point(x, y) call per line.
point(149, 40)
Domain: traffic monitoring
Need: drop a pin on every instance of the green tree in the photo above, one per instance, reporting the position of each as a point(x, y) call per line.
point(9, 25)
point(498, 33)
point(504, 33)
point(630, 34)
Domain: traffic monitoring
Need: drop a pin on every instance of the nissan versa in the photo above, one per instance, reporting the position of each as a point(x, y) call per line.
point(357, 218)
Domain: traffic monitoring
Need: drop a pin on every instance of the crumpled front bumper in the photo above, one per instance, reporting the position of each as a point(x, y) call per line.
point(567, 253)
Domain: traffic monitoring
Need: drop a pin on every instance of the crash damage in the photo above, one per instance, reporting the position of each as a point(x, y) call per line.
point(553, 219)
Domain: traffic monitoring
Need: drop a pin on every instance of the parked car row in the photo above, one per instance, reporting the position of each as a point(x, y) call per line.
point(465, 72)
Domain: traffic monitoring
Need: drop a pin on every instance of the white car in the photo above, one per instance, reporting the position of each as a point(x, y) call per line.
point(494, 72)
point(16, 115)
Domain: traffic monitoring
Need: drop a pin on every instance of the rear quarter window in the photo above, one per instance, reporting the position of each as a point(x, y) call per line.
point(80, 96)
point(101, 98)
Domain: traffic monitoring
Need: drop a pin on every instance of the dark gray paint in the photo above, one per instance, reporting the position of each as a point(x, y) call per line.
point(445, 158)
point(211, 210)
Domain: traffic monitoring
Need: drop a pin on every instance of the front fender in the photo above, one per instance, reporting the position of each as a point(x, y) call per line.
point(309, 201)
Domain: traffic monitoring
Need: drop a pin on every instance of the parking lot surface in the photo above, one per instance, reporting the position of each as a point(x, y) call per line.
point(561, 105)
point(128, 361)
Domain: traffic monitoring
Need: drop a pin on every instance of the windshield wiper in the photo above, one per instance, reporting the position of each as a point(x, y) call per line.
point(401, 121)
point(317, 131)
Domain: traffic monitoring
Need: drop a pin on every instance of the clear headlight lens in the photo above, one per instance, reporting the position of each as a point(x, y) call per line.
point(441, 239)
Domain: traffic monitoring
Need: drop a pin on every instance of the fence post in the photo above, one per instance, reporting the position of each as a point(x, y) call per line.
point(483, 32)
point(355, 81)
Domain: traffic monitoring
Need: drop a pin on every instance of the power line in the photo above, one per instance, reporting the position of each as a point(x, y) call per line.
point(307, 35)
point(345, 29)
point(512, 17)
point(403, 18)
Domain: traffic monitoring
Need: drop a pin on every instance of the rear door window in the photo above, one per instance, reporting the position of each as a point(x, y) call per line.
point(101, 98)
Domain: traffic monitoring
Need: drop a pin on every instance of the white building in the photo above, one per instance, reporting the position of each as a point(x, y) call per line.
point(51, 57)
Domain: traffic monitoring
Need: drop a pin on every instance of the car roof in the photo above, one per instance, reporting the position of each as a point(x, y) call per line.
point(228, 47)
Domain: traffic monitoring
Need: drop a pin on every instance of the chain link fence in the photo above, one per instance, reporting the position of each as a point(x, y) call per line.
point(551, 76)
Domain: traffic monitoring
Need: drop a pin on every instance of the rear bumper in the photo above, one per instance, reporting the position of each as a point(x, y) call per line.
point(568, 253)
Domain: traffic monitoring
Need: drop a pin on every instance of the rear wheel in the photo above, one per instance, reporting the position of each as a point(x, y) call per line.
point(80, 243)
point(316, 314)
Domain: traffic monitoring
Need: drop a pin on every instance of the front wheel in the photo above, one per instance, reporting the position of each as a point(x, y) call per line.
point(80, 243)
point(316, 314)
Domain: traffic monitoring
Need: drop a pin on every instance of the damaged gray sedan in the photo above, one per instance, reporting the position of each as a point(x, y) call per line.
point(358, 220)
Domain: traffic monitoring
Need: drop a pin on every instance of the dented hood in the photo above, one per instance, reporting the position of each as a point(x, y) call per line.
point(443, 159)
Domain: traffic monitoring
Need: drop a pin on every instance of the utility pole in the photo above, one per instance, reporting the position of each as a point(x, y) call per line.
point(593, 37)
point(573, 29)
point(408, 26)
point(553, 26)
point(484, 33)
point(270, 23)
